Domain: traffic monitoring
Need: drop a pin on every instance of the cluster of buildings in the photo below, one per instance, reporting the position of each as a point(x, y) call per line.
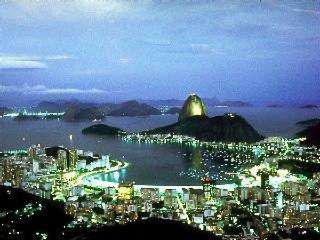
point(49, 172)
point(249, 210)
point(261, 198)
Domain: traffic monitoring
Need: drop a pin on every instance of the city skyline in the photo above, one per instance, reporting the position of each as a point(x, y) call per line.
point(261, 52)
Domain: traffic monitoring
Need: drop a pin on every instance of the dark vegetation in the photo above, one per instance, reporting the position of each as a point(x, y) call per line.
point(147, 229)
point(312, 135)
point(102, 129)
point(50, 219)
point(299, 167)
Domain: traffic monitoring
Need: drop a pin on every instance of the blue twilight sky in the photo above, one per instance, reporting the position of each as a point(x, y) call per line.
point(262, 52)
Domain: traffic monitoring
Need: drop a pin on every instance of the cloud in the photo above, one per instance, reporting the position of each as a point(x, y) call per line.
point(7, 63)
point(300, 7)
point(312, 11)
point(124, 60)
point(203, 48)
point(69, 10)
point(157, 42)
point(42, 89)
point(28, 61)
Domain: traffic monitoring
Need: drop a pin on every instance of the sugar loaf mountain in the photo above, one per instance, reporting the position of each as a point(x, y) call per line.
point(194, 122)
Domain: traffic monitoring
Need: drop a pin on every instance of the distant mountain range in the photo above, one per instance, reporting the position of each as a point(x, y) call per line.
point(235, 104)
point(206, 101)
point(134, 108)
point(82, 111)
point(63, 105)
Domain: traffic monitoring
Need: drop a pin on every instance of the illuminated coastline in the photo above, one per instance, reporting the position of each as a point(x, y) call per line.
point(258, 185)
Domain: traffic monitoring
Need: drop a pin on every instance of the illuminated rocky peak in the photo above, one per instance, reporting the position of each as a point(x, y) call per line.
point(193, 106)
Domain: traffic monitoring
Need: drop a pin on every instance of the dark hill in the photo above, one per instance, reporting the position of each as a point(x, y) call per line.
point(312, 135)
point(309, 122)
point(102, 129)
point(75, 114)
point(310, 106)
point(226, 128)
point(134, 108)
point(50, 218)
point(148, 229)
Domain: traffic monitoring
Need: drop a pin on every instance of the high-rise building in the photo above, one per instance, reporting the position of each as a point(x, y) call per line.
point(125, 191)
point(196, 199)
point(12, 173)
point(32, 151)
point(72, 159)
point(208, 189)
point(170, 198)
point(35, 165)
point(62, 160)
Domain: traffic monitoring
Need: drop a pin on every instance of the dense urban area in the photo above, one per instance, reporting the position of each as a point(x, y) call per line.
point(275, 186)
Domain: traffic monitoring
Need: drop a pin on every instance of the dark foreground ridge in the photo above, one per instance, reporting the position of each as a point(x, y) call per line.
point(226, 128)
point(26, 214)
point(103, 129)
point(312, 135)
point(149, 229)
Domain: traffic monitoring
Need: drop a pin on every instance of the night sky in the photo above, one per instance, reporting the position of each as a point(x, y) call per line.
point(262, 52)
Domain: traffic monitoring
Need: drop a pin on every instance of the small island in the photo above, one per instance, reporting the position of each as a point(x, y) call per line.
point(103, 129)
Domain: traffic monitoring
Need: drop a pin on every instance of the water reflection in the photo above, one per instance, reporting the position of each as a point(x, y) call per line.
point(116, 177)
point(195, 158)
